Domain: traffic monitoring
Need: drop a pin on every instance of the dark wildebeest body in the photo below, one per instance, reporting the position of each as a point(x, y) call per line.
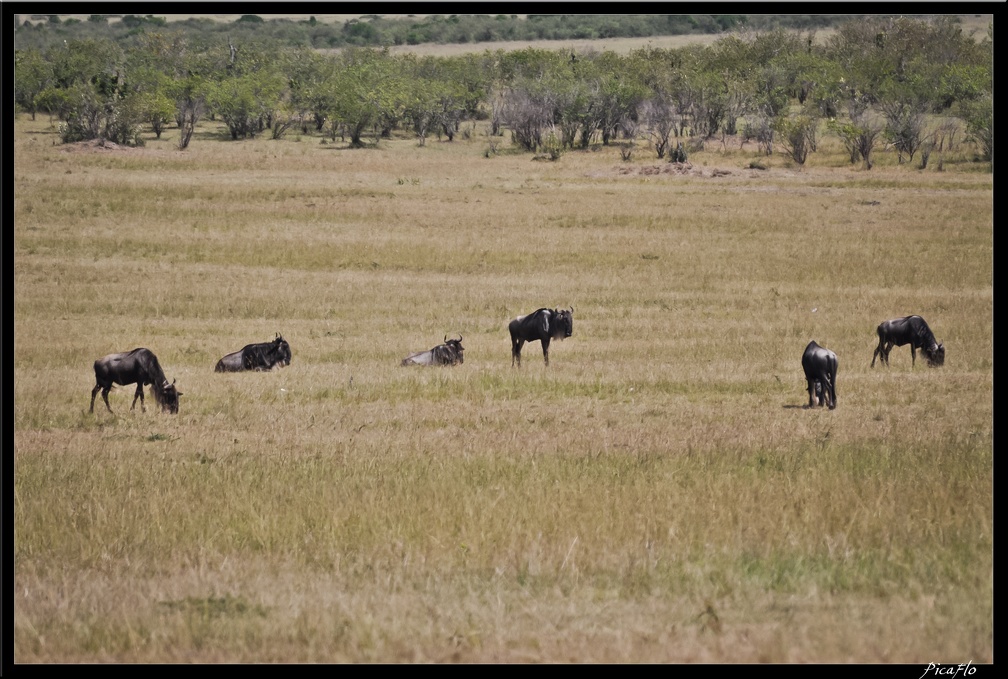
point(912, 330)
point(261, 356)
point(449, 353)
point(543, 325)
point(820, 365)
point(140, 367)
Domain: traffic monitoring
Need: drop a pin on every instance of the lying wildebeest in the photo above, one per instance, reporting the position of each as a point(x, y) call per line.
point(139, 367)
point(449, 353)
point(912, 330)
point(820, 365)
point(543, 325)
point(262, 356)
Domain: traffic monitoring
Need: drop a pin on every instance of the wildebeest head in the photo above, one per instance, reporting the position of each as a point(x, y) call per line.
point(283, 351)
point(936, 355)
point(563, 323)
point(169, 397)
point(455, 345)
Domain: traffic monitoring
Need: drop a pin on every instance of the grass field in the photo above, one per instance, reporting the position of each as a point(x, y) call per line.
point(657, 494)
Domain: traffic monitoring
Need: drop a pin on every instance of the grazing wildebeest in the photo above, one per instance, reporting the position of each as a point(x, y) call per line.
point(543, 325)
point(261, 356)
point(140, 367)
point(449, 353)
point(912, 330)
point(820, 365)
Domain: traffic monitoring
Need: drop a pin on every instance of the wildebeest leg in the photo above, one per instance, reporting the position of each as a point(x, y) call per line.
point(883, 350)
point(878, 352)
point(812, 400)
point(139, 395)
point(516, 346)
point(546, 343)
point(913, 355)
point(104, 395)
point(94, 392)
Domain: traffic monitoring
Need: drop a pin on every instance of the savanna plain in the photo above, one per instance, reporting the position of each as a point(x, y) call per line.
point(658, 494)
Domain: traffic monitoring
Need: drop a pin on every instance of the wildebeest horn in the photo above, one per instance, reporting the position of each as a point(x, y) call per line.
point(446, 338)
point(460, 338)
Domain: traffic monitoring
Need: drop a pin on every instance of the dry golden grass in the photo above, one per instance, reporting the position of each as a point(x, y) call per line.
point(657, 494)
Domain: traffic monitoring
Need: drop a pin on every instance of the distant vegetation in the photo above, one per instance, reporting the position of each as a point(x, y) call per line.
point(909, 85)
point(377, 31)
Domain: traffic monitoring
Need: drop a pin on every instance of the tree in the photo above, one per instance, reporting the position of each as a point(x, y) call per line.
point(90, 87)
point(306, 71)
point(533, 94)
point(666, 109)
point(759, 126)
point(32, 75)
point(860, 135)
point(190, 106)
point(528, 115)
point(246, 103)
point(93, 116)
point(797, 134)
point(619, 92)
point(658, 118)
point(361, 89)
point(979, 116)
point(904, 130)
point(151, 87)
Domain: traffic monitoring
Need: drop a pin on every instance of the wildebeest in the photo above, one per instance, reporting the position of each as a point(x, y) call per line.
point(449, 353)
point(139, 366)
point(820, 365)
point(912, 330)
point(543, 325)
point(261, 356)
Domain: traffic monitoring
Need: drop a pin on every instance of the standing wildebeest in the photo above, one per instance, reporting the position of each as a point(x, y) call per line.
point(262, 356)
point(449, 353)
point(543, 325)
point(820, 367)
point(139, 367)
point(912, 330)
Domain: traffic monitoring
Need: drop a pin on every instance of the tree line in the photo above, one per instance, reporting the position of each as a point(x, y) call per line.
point(913, 83)
point(377, 31)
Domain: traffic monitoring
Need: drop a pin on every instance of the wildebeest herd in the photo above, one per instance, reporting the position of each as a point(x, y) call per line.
point(141, 367)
